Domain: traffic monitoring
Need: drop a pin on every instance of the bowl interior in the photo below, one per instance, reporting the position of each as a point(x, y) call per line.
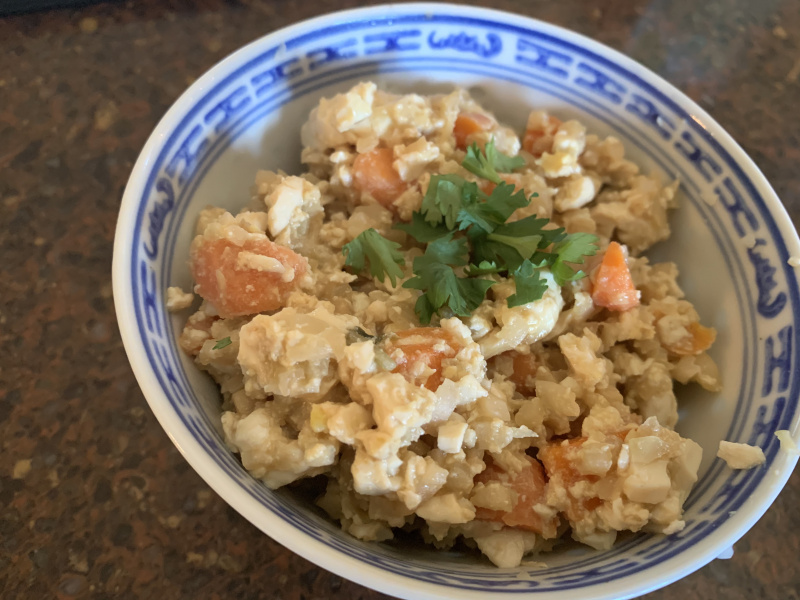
point(730, 239)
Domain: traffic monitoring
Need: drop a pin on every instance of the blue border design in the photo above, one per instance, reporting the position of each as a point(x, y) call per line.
point(740, 486)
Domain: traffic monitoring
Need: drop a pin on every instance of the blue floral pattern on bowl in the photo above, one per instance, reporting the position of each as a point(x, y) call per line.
point(441, 43)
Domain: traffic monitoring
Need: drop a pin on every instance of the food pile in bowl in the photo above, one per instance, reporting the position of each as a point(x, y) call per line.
point(453, 326)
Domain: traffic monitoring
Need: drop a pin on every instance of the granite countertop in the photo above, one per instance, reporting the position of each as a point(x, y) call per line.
point(96, 501)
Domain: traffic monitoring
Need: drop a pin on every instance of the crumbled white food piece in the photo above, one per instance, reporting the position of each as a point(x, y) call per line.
point(447, 508)
point(177, 299)
point(269, 454)
point(451, 436)
point(293, 354)
point(207, 216)
point(674, 527)
point(576, 192)
point(282, 202)
point(741, 456)
point(648, 483)
point(333, 122)
point(505, 548)
point(410, 161)
point(787, 443)
point(523, 324)
point(342, 421)
point(794, 261)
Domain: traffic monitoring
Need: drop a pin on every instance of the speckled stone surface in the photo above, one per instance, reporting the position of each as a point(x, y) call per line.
point(95, 502)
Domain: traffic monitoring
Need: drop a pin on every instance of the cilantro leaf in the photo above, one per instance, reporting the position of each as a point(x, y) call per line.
point(504, 200)
point(436, 278)
point(421, 230)
point(474, 214)
point(503, 163)
point(484, 268)
point(383, 255)
point(526, 245)
point(447, 250)
point(529, 286)
point(491, 251)
point(473, 290)
point(443, 199)
point(478, 163)
point(528, 236)
point(572, 250)
point(488, 162)
point(531, 225)
point(494, 211)
point(223, 343)
point(442, 287)
point(424, 309)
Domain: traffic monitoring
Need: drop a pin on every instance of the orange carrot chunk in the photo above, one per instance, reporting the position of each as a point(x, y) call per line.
point(613, 286)
point(559, 460)
point(531, 487)
point(236, 289)
point(468, 124)
point(374, 174)
point(417, 351)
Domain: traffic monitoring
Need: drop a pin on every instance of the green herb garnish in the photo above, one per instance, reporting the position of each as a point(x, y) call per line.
point(437, 276)
point(384, 258)
point(223, 343)
point(489, 162)
point(467, 237)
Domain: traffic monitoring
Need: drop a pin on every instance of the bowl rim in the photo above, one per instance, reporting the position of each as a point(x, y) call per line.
point(715, 545)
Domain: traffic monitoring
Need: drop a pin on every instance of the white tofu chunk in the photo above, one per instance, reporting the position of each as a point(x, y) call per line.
point(648, 483)
point(451, 437)
point(741, 456)
point(447, 508)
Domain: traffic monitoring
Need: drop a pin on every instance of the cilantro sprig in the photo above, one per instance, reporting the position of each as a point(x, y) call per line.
point(489, 162)
point(437, 277)
point(467, 238)
point(383, 255)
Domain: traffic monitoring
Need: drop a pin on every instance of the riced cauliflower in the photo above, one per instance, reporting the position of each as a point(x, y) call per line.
point(454, 326)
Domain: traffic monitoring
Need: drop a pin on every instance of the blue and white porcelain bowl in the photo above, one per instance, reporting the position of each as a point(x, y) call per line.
point(732, 240)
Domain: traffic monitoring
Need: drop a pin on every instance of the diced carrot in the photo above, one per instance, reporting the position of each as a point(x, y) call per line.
point(613, 285)
point(419, 349)
point(539, 140)
point(559, 463)
point(467, 125)
point(699, 340)
point(236, 291)
point(531, 488)
point(373, 173)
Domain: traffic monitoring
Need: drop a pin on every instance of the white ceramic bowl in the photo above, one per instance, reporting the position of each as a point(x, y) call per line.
point(732, 239)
